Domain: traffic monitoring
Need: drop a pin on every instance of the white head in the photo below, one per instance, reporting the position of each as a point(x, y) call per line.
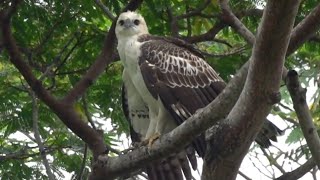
point(130, 24)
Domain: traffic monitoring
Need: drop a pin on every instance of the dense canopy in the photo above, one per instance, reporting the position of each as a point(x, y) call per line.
point(61, 83)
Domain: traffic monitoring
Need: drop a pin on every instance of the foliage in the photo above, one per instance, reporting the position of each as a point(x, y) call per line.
point(68, 36)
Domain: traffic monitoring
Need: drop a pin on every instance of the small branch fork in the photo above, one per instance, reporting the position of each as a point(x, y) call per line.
point(111, 167)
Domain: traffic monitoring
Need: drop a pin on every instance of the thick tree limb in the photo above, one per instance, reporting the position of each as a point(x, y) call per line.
point(121, 163)
point(141, 156)
point(259, 93)
point(63, 109)
point(171, 142)
point(299, 172)
point(116, 163)
point(298, 95)
point(305, 29)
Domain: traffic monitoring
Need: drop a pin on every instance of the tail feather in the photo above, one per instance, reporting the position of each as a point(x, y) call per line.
point(175, 167)
point(268, 132)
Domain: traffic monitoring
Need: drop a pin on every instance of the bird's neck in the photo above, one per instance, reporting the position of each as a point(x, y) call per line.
point(125, 38)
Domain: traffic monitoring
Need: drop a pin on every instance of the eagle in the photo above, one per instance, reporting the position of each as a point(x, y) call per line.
point(165, 81)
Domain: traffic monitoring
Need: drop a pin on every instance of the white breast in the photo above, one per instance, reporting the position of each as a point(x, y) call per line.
point(160, 119)
point(129, 51)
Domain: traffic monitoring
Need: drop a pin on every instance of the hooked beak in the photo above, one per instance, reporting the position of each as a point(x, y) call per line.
point(128, 23)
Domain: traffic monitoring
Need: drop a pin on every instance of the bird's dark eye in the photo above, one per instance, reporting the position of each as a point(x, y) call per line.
point(121, 22)
point(136, 22)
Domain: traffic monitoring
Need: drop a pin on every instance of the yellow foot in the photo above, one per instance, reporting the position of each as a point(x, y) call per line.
point(152, 138)
point(149, 141)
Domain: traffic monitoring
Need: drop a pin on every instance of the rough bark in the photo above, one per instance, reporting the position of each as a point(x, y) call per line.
point(298, 95)
point(215, 111)
point(260, 92)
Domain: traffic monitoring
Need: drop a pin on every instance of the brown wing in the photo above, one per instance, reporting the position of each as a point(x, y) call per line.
point(177, 74)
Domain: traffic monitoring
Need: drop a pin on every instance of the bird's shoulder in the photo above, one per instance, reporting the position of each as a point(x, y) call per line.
point(168, 43)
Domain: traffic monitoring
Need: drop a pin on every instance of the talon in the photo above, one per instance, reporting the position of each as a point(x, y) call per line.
point(154, 137)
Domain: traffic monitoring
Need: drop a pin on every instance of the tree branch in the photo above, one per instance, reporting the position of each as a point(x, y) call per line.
point(298, 95)
point(173, 23)
point(259, 94)
point(299, 172)
point(273, 161)
point(63, 110)
point(218, 108)
point(233, 21)
point(35, 119)
point(105, 9)
point(7, 12)
point(116, 163)
point(208, 36)
point(244, 176)
point(195, 12)
point(83, 164)
point(22, 154)
point(171, 142)
point(305, 30)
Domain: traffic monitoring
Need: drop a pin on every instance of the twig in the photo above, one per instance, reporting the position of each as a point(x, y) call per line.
point(230, 53)
point(273, 161)
point(285, 107)
point(222, 42)
point(59, 65)
point(78, 71)
point(298, 95)
point(86, 111)
point(56, 60)
point(37, 136)
point(22, 154)
point(295, 123)
point(195, 11)
point(261, 171)
point(89, 118)
point(244, 176)
point(105, 9)
point(208, 36)
point(83, 164)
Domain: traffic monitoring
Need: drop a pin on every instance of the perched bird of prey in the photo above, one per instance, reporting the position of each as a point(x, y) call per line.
point(165, 81)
